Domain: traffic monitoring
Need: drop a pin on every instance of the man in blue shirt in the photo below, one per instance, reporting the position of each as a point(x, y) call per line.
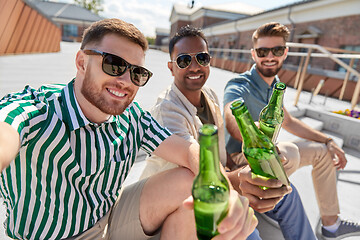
point(254, 87)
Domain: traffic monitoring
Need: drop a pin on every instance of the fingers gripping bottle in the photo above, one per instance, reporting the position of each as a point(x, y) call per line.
point(272, 115)
point(258, 149)
point(210, 188)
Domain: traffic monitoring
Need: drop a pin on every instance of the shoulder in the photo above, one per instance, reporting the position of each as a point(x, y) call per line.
point(171, 101)
point(243, 80)
point(31, 99)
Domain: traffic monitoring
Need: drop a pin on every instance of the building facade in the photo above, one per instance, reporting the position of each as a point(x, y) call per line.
point(71, 19)
point(330, 24)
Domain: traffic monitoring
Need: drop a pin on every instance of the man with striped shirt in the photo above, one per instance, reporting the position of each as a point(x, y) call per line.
point(65, 151)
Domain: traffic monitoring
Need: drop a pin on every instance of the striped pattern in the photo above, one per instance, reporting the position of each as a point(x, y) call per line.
point(68, 171)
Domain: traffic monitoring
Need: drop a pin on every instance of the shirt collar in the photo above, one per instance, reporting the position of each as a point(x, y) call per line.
point(191, 108)
point(71, 111)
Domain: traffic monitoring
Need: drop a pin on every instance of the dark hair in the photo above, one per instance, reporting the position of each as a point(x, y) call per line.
point(96, 31)
point(186, 31)
point(272, 29)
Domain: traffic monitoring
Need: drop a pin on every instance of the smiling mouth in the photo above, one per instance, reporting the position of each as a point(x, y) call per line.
point(194, 77)
point(118, 94)
point(269, 64)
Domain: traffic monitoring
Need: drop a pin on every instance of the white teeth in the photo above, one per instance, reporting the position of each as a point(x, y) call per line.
point(269, 64)
point(117, 93)
point(194, 77)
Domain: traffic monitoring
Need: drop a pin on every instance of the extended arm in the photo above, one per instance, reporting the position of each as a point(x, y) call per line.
point(179, 151)
point(230, 122)
point(9, 144)
point(300, 129)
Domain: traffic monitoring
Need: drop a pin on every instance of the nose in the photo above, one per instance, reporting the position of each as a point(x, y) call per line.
point(270, 55)
point(125, 78)
point(194, 64)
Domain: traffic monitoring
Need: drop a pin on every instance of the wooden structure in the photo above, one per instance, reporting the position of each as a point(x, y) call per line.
point(303, 76)
point(24, 29)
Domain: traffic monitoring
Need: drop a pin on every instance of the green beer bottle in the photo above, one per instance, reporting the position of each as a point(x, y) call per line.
point(272, 115)
point(210, 188)
point(258, 149)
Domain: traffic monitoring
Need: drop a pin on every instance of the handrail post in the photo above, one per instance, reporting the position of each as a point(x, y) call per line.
point(355, 96)
point(235, 61)
point(346, 80)
point(299, 72)
point(215, 58)
point(303, 74)
point(224, 59)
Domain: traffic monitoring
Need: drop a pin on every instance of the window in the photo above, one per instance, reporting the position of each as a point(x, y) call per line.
point(70, 30)
point(347, 60)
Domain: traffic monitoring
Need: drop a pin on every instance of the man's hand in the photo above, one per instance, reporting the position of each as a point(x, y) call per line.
point(337, 155)
point(261, 200)
point(240, 221)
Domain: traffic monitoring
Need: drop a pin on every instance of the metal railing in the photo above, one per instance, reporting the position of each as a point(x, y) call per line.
point(323, 52)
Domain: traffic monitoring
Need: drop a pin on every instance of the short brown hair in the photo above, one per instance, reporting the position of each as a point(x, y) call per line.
point(96, 31)
point(272, 29)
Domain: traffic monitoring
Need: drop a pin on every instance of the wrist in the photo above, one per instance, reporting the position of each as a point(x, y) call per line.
point(328, 140)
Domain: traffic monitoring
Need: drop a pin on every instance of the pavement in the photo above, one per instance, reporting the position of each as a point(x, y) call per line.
point(16, 71)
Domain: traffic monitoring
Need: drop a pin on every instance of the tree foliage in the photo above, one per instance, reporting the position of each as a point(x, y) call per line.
point(151, 40)
point(94, 6)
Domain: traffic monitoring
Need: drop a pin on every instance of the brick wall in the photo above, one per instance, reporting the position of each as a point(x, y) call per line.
point(336, 33)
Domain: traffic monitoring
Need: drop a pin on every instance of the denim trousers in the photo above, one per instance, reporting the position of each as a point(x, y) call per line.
point(291, 217)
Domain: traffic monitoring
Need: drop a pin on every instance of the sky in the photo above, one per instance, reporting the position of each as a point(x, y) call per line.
point(147, 15)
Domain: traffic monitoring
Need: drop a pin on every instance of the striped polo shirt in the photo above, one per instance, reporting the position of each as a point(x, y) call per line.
point(68, 171)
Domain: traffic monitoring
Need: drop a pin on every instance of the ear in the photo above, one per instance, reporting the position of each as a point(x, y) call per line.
point(170, 66)
point(81, 62)
point(253, 54)
point(285, 53)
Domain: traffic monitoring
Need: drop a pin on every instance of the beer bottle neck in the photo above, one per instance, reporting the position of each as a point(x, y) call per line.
point(209, 154)
point(247, 127)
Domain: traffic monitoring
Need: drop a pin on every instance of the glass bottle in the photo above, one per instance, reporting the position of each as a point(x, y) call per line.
point(272, 115)
point(258, 149)
point(210, 188)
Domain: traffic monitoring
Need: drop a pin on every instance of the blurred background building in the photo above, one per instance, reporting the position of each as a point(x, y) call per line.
point(319, 28)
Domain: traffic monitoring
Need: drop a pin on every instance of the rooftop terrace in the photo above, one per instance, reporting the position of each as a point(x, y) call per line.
point(16, 71)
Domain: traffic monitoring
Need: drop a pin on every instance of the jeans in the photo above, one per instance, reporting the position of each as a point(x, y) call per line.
point(292, 219)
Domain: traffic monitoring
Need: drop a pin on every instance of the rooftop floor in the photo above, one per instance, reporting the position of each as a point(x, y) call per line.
point(16, 71)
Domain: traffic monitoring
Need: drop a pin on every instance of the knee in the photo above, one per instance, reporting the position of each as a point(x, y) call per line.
point(183, 178)
point(290, 156)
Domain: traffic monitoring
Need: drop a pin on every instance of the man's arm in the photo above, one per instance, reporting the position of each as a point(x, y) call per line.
point(179, 151)
point(230, 123)
point(300, 129)
point(9, 144)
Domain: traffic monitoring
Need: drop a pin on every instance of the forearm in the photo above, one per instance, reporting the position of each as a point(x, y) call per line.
point(179, 151)
point(300, 129)
point(231, 125)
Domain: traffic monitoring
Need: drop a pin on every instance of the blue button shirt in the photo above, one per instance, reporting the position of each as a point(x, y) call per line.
point(254, 91)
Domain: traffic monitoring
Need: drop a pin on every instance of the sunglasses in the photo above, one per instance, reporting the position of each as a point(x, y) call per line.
point(116, 66)
point(184, 60)
point(276, 51)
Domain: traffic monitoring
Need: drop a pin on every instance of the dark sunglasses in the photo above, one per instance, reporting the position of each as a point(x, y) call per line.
point(276, 51)
point(116, 66)
point(184, 60)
